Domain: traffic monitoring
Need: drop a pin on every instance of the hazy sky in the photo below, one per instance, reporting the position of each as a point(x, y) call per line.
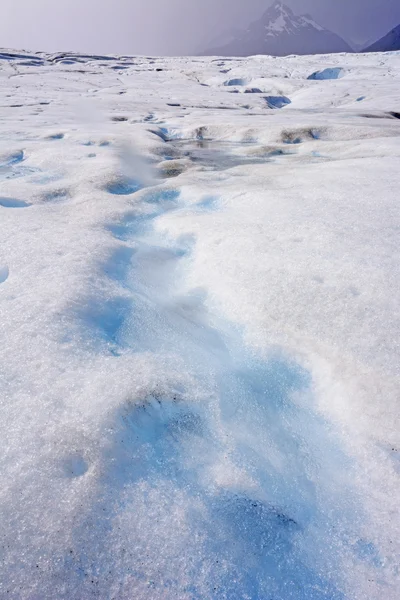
point(170, 26)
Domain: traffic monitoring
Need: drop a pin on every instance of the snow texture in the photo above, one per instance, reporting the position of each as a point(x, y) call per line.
point(199, 300)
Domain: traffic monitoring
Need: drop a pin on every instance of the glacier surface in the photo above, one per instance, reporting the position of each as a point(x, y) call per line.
point(199, 300)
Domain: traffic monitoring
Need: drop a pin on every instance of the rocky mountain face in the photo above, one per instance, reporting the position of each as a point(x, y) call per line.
point(390, 42)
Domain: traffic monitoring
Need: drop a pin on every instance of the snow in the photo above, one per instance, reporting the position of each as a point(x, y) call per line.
point(278, 25)
point(199, 302)
point(310, 21)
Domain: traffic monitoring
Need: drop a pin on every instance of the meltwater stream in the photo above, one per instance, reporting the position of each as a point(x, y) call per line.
point(224, 483)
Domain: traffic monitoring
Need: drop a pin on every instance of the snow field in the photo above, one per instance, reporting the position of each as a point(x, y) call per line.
point(199, 302)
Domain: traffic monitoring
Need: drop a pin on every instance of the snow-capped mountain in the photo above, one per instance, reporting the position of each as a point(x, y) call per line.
point(390, 42)
point(280, 32)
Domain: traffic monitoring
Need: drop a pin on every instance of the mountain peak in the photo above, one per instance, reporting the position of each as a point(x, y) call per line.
point(280, 32)
point(277, 18)
point(277, 9)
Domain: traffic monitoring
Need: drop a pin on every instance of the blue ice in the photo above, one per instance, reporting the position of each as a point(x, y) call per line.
point(277, 101)
point(329, 73)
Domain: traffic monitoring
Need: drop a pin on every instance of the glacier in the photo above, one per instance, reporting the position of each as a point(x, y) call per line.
point(199, 299)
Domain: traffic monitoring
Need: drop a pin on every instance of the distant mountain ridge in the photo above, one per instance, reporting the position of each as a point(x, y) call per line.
point(279, 32)
point(389, 42)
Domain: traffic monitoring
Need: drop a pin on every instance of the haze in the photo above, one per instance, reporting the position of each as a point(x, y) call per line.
point(157, 27)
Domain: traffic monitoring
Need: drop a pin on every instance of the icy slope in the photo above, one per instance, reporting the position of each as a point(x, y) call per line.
point(199, 299)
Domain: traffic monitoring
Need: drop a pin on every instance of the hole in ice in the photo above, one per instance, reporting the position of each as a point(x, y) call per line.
point(123, 187)
point(361, 98)
point(236, 81)
point(55, 136)
point(30, 63)
point(13, 203)
point(12, 159)
point(396, 115)
point(329, 73)
point(75, 466)
point(277, 101)
point(377, 115)
point(4, 273)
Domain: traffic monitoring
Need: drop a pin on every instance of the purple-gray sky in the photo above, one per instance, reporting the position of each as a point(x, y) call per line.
point(170, 26)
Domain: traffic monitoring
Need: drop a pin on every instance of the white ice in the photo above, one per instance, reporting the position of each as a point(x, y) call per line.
point(199, 299)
